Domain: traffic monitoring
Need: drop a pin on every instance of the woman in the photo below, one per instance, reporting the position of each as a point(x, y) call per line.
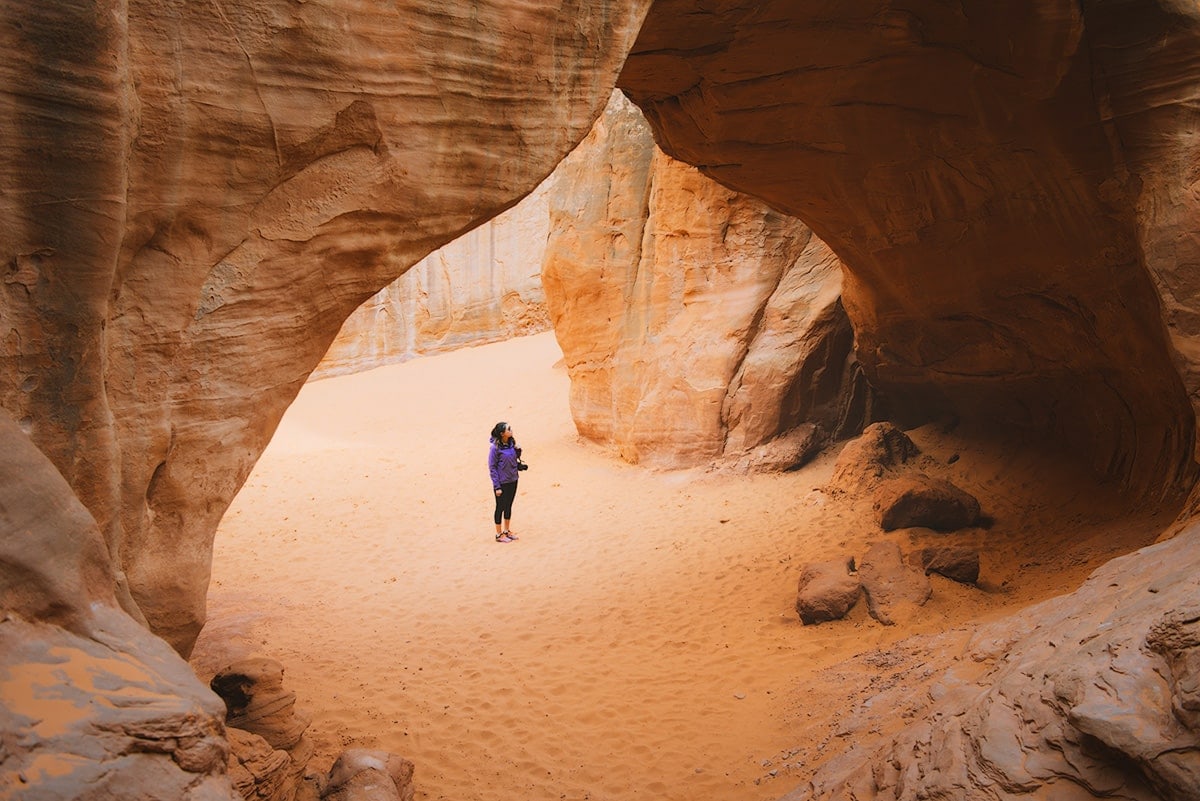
point(503, 457)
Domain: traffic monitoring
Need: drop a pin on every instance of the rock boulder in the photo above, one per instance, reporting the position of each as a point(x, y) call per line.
point(956, 562)
point(881, 450)
point(918, 500)
point(894, 589)
point(827, 591)
point(1090, 695)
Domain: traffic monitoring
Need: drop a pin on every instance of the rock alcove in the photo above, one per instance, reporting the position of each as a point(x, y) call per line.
point(196, 197)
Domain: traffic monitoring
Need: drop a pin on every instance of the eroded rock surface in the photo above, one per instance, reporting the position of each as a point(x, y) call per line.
point(257, 703)
point(1011, 190)
point(197, 197)
point(695, 322)
point(1085, 696)
point(260, 772)
point(92, 705)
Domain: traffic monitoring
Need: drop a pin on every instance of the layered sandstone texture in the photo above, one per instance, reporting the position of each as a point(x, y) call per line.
point(1012, 191)
point(696, 322)
point(92, 705)
point(1089, 696)
point(485, 286)
point(196, 196)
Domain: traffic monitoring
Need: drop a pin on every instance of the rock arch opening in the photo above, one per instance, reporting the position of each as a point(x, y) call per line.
point(986, 181)
point(201, 197)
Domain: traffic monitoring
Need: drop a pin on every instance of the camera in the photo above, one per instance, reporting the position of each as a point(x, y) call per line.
point(522, 466)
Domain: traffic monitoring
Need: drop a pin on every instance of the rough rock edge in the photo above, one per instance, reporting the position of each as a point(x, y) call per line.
point(1076, 698)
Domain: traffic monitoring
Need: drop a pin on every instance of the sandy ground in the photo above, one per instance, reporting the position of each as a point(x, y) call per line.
point(638, 642)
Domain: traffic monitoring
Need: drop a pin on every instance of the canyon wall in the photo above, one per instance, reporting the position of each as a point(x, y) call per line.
point(1012, 192)
point(92, 705)
point(485, 286)
point(696, 322)
point(198, 195)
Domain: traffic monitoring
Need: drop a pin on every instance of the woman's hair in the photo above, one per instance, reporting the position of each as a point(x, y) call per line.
point(498, 430)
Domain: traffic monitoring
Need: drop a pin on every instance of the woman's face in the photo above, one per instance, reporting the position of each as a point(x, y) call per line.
point(507, 435)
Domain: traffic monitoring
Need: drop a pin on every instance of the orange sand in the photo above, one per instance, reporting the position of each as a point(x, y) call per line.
point(639, 640)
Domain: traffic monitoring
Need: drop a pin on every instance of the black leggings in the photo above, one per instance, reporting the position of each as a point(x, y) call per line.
point(504, 501)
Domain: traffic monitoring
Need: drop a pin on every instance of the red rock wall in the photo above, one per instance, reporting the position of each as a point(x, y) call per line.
point(1010, 190)
point(692, 318)
point(484, 286)
point(198, 194)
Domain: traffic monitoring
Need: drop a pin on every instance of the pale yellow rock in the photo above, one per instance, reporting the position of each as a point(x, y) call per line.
point(483, 287)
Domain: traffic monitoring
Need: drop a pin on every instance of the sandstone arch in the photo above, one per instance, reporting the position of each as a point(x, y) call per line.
point(198, 194)
point(1006, 187)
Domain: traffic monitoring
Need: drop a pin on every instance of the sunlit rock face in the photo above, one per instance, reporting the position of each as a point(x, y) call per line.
point(1012, 190)
point(483, 287)
point(197, 196)
point(695, 322)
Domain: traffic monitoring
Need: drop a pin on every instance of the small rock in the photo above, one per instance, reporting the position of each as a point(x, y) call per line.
point(880, 448)
point(827, 591)
point(894, 590)
point(361, 774)
point(918, 500)
point(955, 562)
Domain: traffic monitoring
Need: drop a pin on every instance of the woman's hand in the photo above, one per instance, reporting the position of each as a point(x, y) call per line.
point(499, 491)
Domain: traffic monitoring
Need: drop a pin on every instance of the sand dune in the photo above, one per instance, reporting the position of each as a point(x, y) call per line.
point(638, 641)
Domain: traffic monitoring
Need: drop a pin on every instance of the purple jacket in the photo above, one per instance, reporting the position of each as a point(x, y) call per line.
point(502, 463)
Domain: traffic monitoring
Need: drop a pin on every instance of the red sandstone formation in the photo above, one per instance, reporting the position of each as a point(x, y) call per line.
point(696, 323)
point(1007, 188)
point(197, 197)
point(1084, 697)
